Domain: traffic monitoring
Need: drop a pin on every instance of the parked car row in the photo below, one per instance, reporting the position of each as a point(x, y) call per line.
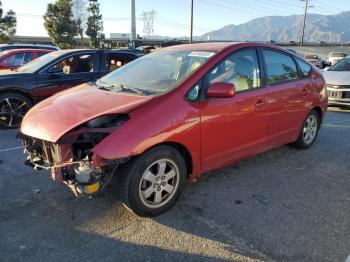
point(166, 117)
point(160, 119)
point(332, 59)
point(57, 71)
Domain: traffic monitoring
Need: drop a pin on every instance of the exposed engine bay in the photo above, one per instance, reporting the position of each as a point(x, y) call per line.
point(71, 160)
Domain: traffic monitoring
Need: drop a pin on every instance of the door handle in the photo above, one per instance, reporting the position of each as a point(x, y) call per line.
point(260, 104)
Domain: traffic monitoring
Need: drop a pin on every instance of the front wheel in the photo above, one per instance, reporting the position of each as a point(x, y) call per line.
point(152, 182)
point(13, 107)
point(309, 131)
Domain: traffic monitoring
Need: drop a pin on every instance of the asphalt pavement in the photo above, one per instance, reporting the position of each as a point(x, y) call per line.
point(283, 205)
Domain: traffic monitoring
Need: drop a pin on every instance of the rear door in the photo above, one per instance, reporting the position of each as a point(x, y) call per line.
point(287, 95)
point(234, 128)
point(67, 72)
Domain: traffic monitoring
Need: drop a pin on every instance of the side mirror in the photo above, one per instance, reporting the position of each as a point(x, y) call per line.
point(221, 90)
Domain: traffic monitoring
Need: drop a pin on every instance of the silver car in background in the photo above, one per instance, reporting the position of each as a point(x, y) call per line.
point(338, 83)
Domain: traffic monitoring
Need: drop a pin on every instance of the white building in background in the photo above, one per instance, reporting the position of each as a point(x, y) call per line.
point(119, 35)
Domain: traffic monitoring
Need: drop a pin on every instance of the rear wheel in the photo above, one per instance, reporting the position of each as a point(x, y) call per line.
point(152, 182)
point(13, 107)
point(309, 131)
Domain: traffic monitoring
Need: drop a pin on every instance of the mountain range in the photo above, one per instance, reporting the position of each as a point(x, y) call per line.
point(328, 28)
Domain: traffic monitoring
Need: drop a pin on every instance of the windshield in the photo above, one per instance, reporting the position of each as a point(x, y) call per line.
point(338, 55)
point(342, 65)
point(155, 73)
point(36, 64)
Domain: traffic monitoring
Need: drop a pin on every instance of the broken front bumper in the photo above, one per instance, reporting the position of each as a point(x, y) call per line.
point(83, 176)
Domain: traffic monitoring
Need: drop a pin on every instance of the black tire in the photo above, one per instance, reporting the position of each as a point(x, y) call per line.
point(12, 118)
point(131, 179)
point(302, 142)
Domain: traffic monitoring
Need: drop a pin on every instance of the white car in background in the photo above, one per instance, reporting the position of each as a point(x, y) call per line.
point(313, 59)
point(337, 80)
point(335, 57)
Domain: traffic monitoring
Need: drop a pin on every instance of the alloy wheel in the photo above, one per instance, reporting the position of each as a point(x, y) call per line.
point(12, 111)
point(310, 129)
point(159, 183)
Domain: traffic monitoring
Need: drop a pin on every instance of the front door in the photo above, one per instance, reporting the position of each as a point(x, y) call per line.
point(234, 128)
point(66, 73)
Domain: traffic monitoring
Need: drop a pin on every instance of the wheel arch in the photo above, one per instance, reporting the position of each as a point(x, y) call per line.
point(319, 112)
point(17, 91)
point(185, 153)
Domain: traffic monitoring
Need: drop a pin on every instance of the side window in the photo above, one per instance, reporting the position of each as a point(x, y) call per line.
point(241, 69)
point(18, 59)
point(279, 67)
point(83, 63)
point(115, 61)
point(10, 60)
point(41, 54)
point(305, 68)
point(27, 57)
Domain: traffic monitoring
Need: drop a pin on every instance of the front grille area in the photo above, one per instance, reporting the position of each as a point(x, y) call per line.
point(42, 153)
point(346, 94)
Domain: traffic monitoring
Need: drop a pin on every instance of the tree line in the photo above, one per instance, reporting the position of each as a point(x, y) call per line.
point(69, 20)
point(66, 22)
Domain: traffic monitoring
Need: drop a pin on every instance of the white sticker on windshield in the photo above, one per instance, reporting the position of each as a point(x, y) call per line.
point(201, 54)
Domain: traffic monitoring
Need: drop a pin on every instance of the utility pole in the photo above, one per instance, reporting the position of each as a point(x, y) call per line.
point(191, 34)
point(133, 21)
point(304, 22)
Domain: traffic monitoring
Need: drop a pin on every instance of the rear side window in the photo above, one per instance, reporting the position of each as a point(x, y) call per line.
point(41, 53)
point(279, 67)
point(304, 67)
point(18, 59)
point(115, 61)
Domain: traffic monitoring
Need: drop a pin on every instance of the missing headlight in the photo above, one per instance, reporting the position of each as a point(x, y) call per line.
point(108, 121)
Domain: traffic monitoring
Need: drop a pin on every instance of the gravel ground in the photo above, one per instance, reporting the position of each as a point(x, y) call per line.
point(283, 205)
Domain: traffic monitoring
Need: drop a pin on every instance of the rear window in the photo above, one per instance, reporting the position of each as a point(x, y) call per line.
point(304, 67)
point(338, 55)
point(279, 67)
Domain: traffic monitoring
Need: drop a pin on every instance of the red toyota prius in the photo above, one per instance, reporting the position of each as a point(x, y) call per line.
point(173, 115)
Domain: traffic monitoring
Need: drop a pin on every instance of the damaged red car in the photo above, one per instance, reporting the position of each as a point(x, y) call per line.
point(173, 115)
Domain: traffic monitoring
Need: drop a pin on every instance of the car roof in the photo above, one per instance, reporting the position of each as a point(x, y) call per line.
point(26, 50)
point(43, 45)
point(77, 51)
point(220, 46)
point(212, 46)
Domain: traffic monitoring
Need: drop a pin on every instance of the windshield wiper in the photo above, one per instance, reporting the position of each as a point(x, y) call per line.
point(110, 87)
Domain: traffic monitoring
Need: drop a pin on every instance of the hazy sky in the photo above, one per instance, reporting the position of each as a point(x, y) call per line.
point(173, 17)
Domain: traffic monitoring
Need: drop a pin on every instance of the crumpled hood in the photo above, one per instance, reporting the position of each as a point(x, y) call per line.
point(55, 116)
point(337, 77)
